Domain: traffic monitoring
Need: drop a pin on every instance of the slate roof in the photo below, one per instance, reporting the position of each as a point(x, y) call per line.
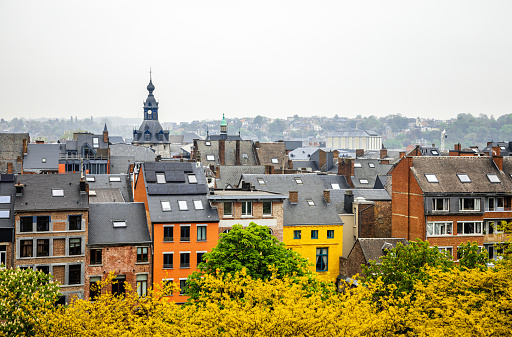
point(307, 165)
point(292, 144)
point(447, 168)
point(329, 179)
point(246, 147)
point(207, 214)
point(310, 189)
point(103, 182)
point(338, 196)
point(239, 194)
point(268, 151)
point(230, 175)
point(505, 148)
point(139, 153)
point(7, 189)
point(116, 140)
point(176, 139)
point(372, 248)
point(102, 231)
point(105, 195)
point(188, 137)
point(37, 192)
point(302, 153)
point(367, 172)
point(153, 127)
point(33, 160)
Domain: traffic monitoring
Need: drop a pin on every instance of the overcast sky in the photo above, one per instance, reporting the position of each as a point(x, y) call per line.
point(244, 58)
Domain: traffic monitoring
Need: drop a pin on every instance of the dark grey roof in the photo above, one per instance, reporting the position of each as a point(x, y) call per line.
point(306, 165)
point(367, 172)
point(43, 157)
point(447, 168)
point(230, 175)
point(7, 190)
point(188, 137)
point(246, 148)
point(302, 153)
point(87, 138)
point(103, 181)
point(207, 214)
point(329, 179)
point(338, 196)
point(102, 231)
point(310, 189)
point(105, 195)
point(372, 248)
point(239, 195)
point(176, 139)
point(116, 139)
point(37, 192)
point(153, 128)
point(139, 153)
point(176, 178)
point(226, 137)
point(292, 144)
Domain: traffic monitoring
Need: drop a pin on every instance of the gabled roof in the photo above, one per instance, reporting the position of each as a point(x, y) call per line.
point(110, 183)
point(37, 192)
point(364, 171)
point(41, 157)
point(268, 153)
point(102, 230)
point(447, 168)
point(302, 153)
point(229, 176)
point(373, 248)
point(175, 215)
point(328, 180)
point(153, 127)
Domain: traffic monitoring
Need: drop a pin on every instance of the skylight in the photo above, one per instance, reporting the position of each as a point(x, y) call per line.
point(91, 179)
point(502, 147)
point(166, 206)
point(210, 157)
point(57, 192)
point(5, 199)
point(372, 165)
point(198, 204)
point(92, 193)
point(357, 165)
point(5, 213)
point(114, 179)
point(493, 178)
point(192, 179)
point(43, 160)
point(119, 223)
point(207, 143)
point(311, 202)
point(363, 181)
point(182, 204)
point(335, 186)
point(275, 161)
point(463, 177)
point(435, 152)
point(298, 181)
point(261, 181)
point(431, 178)
point(245, 156)
point(160, 178)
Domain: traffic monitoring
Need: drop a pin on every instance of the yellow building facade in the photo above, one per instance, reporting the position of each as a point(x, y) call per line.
point(322, 245)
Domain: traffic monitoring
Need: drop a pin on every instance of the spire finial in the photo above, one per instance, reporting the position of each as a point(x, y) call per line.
point(150, 75)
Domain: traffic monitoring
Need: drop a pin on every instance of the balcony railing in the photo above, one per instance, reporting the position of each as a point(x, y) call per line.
point(168, 266)
point(184, 265)
point(185, 238)
point(79, 156)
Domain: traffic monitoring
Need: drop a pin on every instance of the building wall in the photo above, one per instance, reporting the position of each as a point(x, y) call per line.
point(307, 246)
point(352, 265)
point(139, 195)
point(382, 219)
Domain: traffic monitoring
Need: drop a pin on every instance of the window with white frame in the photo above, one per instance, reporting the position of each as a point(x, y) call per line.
point(469, 204)
point(246, 208)
point(119, 223)
point(275, 161)
point(357, 165)
point(469, 228)
point(198, 204)
point(95, 142)
point(166, 205)
point(210, 157)
point(431, 178)
point(440, 204)
point(90, 179)
point(201, 233)
point(363, 181)
point(493, 178)
point(114, 179)
point(491, 226)
point(5, 199)
point(310, 202)
point(142, 284)
point(261, 181)
point(5, 213)
point(192, 179)
point(207, 143)
point(448, 251)
point(57, 192)
point(182, 204)
point(434, 152)
point(298, 180)
point(160, 178)
point(495, 204)
point(463, 177)
point(335, 186)
point(439, 228)
point(371, 165)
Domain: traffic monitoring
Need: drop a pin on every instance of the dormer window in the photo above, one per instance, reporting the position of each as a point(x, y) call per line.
point(493, 178)
point(160, 178)
point(275, 161)
point(431, 178)
point(95, 142)
point(57, 192)
point(119, 223)
point(463, 177)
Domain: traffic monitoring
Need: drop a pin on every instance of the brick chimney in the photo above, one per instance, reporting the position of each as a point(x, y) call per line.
point(496, 151)
point(458, 147)
point(293, 197)
point(346, 168)
point(9, 168)
point(327, 196)
point(384, 161)
point(322, 159)
point(269, 169)
point(105, 134)
point(290, 164)
point(222, 151)
point(383, 153)
point(348, 200)
point(335, 154)
point(25, 145)
point(498, 160)
point(402, 154)
point(359, 153)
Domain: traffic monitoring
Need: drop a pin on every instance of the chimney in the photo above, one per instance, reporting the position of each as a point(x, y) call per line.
point(359, 153)
point(327, 196)
point(237, 152)
point(384, 161)
point(322, 159)
point(346, 168)
point(293, 197)
point(457, 147)
point(498, 160)
point(9, 168)
point(269, 169)
point(349, 199)
point(402, 154)
point(335, 154)
point(383, 153)
point(496, 151)
point(105, 134)
point(25, 145)
point(290, 164)
point(19, 189)
point(222, 151)
point(83, 187)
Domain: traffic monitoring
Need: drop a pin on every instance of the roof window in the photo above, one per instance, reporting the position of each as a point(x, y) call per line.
point(298, 180)
point(166, 205)
point(114, 179)
point(207, 143)
point(210, 157)
point(431, 178)
point(119, 223)
point(463, 177)
point(357, 165)
point(182, 204)
point(92, 193)
point(502, 147)
point(335, 186)
point(245, 156)
point(5, 199)
point(5, 213)
point(371, 165)
point(261, 181)
point(363, 181)
point(198, 204)
point(493, 178)
point(90, 179)
point(43, 160)
point(192, 179)
point(57, 192)
point(160, 178)
point(275, 161)
point(310, 202)
point(434, 152)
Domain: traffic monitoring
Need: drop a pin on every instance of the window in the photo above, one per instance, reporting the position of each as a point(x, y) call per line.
point(464, 178)
point(185, 260)
point(166, 206)
point(335, 186)
point(469, 228)
point(168, 234)
point(330, 233)
point(95, 256)
point(298, 180)
point(207, 143)
point(75, 222)
point(296, 234)
point(160, 178)
point(314, 234)
point(168, 260)
point(357, 165)
point(469, 204)
point(371, 165)
point(363, 181)
point(431, 178)
point(92, 193)
point(440, 204)
point(3, 256)
point(57, 192)
point(311, 202)
point(5, 199)
point(142, 254)
point(182, 204)
point(210, 157)
point(434, 152)
point(201, 233)
point(495, 204)
point(267, 208)
point(439, 228)
point(26, 224)
point(448, 251)
point(192, 179)
point(114, 179)
point(183, 286)
point(322, 258)
point(200, 257)
point(142, 284)
point(198, 204)
point(245, 156)
point(5, 214)
point(43, 247)
point(90, 179)
point(246, 208)
point(118, 286)
point(228, 208)
point(95, 142)
point(261, 181)
point(119, 223)
point(275, 161)
point(26, 248)
point(75, 274)
point(44, 269)
point(75, 246)
point(493, 178)
point(184, 233)
point(94, 287)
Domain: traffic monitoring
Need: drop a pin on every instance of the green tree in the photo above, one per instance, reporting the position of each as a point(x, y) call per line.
point(24, 296)
point(471, 257)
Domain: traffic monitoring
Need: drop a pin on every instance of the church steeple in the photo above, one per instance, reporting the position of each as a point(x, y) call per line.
point(223, 128)
point(151, 105)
